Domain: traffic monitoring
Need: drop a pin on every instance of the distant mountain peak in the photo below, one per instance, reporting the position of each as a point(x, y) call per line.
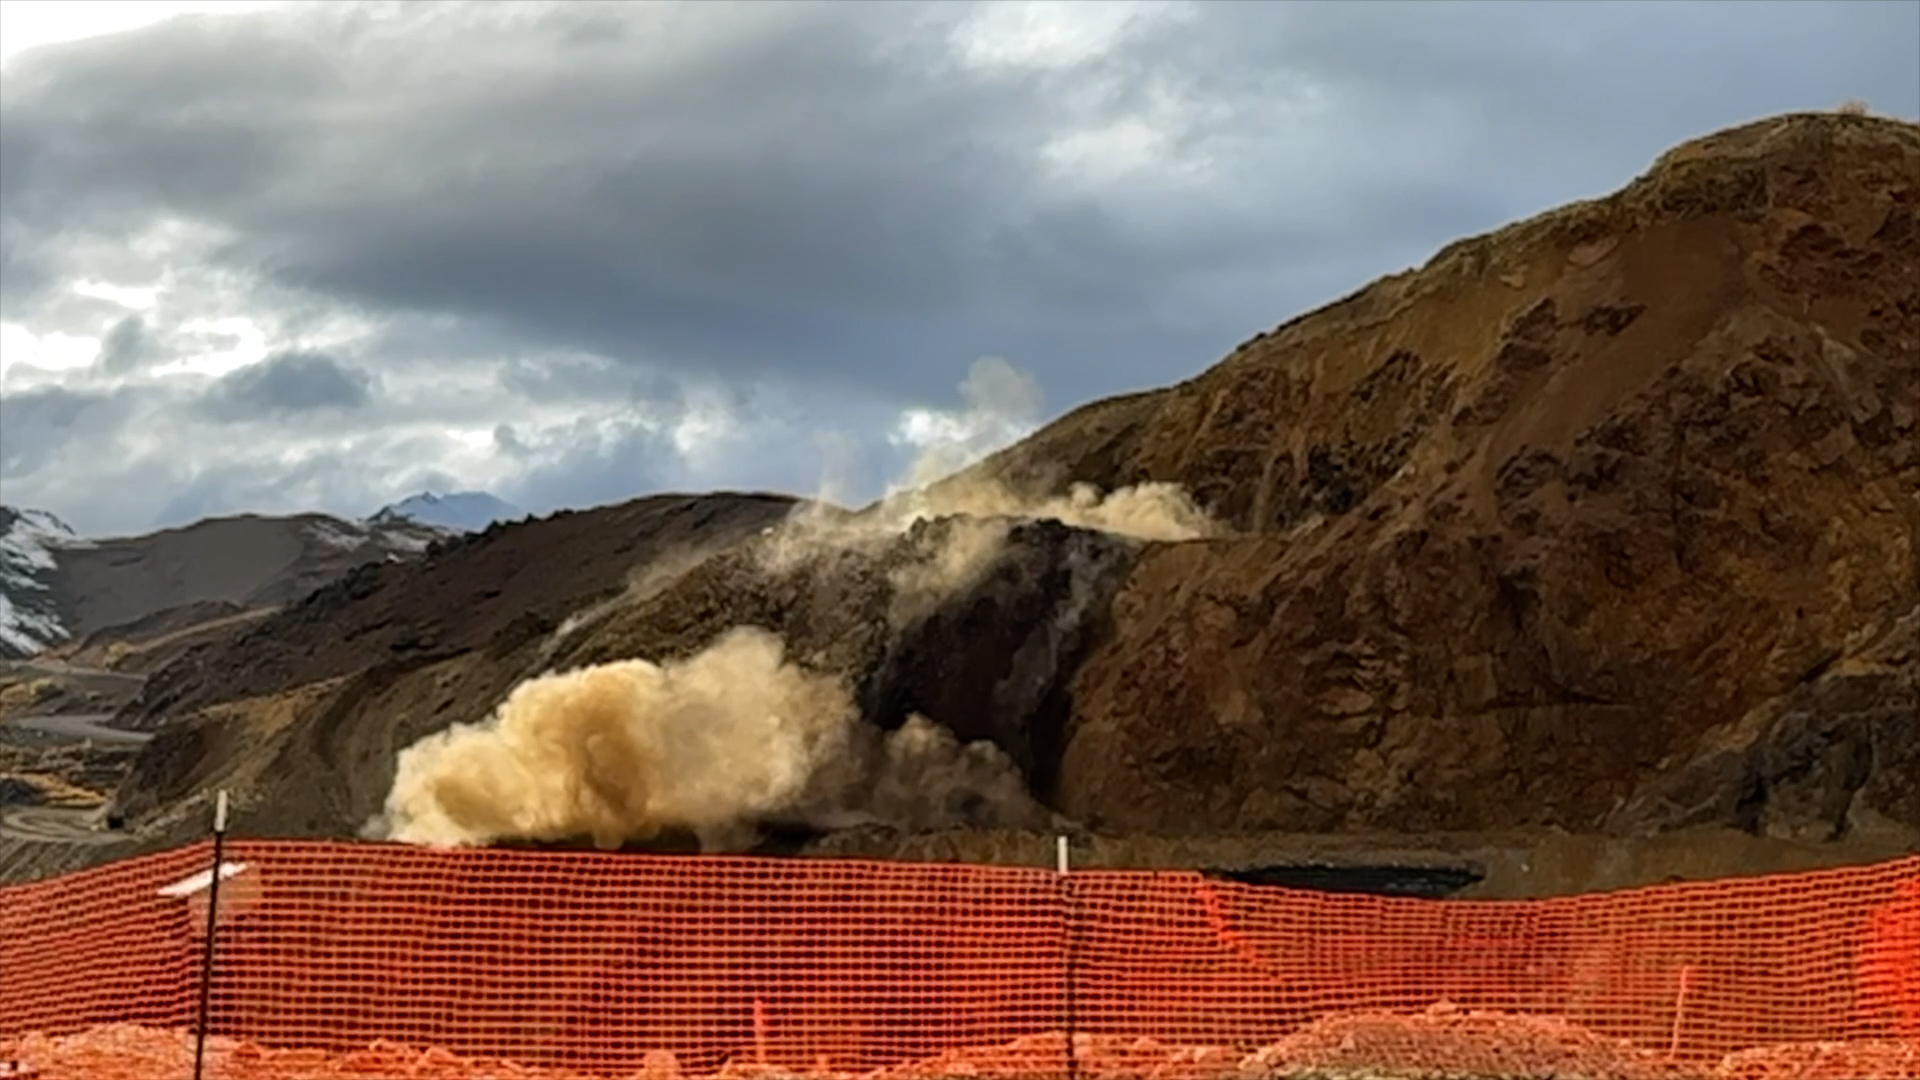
point(41, 522)
point(463, 511)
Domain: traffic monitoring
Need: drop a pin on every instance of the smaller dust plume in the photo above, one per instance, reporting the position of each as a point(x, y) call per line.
point(627, 750)
point(1000, 405)
point(1151, 511)
point(929, 780)
point(920, 778)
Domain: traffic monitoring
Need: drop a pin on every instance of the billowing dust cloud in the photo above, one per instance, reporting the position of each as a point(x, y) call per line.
point(625, 750)
point(735, 735)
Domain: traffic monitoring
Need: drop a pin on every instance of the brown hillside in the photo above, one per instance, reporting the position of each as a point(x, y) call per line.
point(148, 644)
point(300, 712)
point(496, 590)
point(1527, 523)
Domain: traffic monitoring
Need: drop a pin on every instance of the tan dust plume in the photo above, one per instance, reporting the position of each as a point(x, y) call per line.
point(626, 750)
point(714, 744)
point(928, 779)
point(1001, 405)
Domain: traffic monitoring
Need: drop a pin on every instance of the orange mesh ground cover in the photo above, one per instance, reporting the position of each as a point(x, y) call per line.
point(383, 960)
point(1487, 1045)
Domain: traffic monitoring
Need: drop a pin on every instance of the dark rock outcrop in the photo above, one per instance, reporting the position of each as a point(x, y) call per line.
point(1837, 754)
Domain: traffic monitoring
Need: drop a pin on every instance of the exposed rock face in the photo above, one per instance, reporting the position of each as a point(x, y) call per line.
point(1838, 753)
point(1528, 522)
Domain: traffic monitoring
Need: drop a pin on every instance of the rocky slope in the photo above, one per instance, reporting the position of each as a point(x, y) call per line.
point(986, 653)
point(304, 712)
point(1529, 529)
point(1606, 522)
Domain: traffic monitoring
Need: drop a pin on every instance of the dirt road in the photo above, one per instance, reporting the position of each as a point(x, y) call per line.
point(79, 727)
point(59, 824)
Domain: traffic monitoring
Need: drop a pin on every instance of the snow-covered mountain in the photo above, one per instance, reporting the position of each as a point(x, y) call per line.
point(462, 511)
point(30, 617)
point(57, 588)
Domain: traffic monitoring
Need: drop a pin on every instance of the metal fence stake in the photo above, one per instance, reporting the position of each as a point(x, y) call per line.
point(213, 911)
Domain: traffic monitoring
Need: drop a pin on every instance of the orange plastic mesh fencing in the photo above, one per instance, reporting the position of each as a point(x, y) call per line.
point(381, 960)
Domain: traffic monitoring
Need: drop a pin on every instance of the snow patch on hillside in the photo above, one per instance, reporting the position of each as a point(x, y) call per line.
point(461, 511)
point(29, 618)
point(339, 534)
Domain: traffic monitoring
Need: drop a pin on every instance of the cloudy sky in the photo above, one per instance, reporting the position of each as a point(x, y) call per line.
point(292, 256)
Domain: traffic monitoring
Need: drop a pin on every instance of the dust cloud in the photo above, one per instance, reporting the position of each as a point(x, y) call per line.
point(919, 778)
point(1150, 511)
point(1001, 405)
point(625, 750)
point(714, 744)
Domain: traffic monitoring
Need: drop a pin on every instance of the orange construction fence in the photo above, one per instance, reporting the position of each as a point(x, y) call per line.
point(360, 959)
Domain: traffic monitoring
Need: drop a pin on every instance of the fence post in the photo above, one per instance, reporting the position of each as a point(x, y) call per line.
point(213, 911)
point(1072, 918)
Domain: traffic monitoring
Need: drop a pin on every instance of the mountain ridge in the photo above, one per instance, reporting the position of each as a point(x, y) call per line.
point(78, 588)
